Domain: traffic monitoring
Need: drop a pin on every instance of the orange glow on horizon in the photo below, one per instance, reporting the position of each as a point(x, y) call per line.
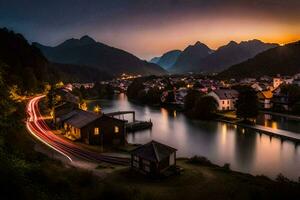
point(212, 31)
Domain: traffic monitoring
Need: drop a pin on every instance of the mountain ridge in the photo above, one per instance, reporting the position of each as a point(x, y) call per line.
point(282, 60)
point(86, 51)
point(223, 57)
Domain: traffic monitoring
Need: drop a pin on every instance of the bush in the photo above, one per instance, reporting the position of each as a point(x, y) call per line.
point(200, 160)
point(226, 167)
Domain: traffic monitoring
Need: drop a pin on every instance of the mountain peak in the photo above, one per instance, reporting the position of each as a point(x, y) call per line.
point(87, 39)
point(232, 43)
point(198, 43)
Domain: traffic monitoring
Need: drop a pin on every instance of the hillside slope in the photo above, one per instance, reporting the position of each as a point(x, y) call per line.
point(284, 60)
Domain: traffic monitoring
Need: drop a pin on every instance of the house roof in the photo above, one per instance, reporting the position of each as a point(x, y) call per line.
point(154, 151)
point(64, 109)
point(266, 94)
point(226, 93)
point(81, 118)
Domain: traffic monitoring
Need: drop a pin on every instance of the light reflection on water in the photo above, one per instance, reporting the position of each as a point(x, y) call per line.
point(244, 149)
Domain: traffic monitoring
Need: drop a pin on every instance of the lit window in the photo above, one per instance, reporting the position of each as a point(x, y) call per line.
point(116, 129)
point(96, 131)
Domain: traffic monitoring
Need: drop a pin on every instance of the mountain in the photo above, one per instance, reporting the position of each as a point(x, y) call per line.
point(190, 57)
point(26, 66)
point(154, 60)
point(227, 55)
point(284, 60)
point(86, 51)
point(167, 60)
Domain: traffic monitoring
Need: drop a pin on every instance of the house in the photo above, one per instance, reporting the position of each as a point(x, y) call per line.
point(226, 98)
point(92, 128)
point(65, 95)
point(277, 82)
point(61, 111)
point(153, 158)
point(264, 99)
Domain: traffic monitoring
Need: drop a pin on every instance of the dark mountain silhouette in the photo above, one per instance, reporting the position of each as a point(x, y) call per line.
point(227, 55)
point(86, 51)
point(284, 60)
point(190, 57)
point(25, 65)
point(167, 60)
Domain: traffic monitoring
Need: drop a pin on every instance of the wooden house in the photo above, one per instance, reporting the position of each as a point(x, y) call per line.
point(153, 158)
point(94, 129)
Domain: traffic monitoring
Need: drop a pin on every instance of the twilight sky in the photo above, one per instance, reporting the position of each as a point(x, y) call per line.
point(149, 28)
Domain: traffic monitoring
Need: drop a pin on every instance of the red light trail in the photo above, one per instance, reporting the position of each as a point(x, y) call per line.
point(40, 130)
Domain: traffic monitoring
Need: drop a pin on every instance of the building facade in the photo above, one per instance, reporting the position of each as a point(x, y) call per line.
point(226, 98)
point(92, 128)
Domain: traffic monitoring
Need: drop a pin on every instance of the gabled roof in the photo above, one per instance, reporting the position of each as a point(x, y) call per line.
point(226, 93)
point(154, 151)
point(81, 118)
point(266, 94)
point(64, 109)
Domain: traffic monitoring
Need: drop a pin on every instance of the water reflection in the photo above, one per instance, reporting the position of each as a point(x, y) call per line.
point(278, 122)
point(244, 149)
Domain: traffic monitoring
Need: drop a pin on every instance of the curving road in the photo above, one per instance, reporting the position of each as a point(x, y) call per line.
point(40, 130)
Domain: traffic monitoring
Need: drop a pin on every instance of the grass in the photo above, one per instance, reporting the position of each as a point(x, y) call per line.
point(207, 181)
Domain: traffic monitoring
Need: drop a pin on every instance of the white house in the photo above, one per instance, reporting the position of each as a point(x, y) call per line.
point(226, 98)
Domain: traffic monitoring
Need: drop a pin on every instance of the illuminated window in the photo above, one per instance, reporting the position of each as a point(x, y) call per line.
point(96, 131)
point(116, 129)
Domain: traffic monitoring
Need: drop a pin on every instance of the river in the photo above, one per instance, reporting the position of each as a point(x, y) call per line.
point(245, 150)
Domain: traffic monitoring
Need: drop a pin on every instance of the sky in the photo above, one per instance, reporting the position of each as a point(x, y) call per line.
point(148, 28)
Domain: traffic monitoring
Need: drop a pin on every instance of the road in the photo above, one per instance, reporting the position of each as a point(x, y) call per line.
point(40, 130)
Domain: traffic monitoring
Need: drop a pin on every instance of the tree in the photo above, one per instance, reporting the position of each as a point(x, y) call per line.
point(247, 103)
point(191, 98)
point(153, 96)
point(205, 107)
point(83, 92)
point(30, 82)
point(50, 98)
point(291, 91)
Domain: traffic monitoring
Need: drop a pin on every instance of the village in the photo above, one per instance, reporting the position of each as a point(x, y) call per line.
point(75, 122)
point(268, 89)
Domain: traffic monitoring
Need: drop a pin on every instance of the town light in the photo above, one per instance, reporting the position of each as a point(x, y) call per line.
point(97, 109)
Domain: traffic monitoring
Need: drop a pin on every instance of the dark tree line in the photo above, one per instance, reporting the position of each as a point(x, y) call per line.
point(197, 105)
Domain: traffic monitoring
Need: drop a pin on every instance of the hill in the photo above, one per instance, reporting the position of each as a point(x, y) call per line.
point(282, 60)
point(86, 51)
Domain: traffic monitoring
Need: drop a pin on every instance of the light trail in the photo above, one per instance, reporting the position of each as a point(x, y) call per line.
point(40, 130)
